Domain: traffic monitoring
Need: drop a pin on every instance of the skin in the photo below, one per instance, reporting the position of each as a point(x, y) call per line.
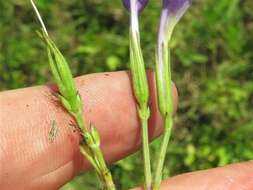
point(29, 160)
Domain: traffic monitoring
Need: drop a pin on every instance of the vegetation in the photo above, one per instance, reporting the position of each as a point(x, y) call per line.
point(212, 55)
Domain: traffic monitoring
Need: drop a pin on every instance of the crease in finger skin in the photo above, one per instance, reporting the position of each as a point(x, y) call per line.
point(55, 179)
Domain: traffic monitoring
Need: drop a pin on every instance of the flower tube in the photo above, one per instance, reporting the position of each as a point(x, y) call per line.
point(171, 13)
point(140, 83)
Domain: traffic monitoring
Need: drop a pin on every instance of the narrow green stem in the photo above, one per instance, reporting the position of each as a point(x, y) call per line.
point(84, 151)
point(95, 156)
point(146, 153)
point(168, 122)
point(105, 174)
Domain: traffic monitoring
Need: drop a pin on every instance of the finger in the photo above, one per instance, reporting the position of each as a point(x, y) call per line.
point(29, 160)
point(231, 177)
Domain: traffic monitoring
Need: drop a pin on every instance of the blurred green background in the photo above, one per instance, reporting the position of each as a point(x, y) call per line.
point(212, 67)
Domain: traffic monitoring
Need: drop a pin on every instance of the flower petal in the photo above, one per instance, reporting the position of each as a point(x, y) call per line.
point(176, 8)
point(141, 4)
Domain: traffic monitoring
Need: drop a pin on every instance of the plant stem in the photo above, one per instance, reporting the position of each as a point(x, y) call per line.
point(140, 86)
point(105, 173)
point(164, 91)
point(71, 101)
point(97, 158)
point(145, 149)
point(168, 122)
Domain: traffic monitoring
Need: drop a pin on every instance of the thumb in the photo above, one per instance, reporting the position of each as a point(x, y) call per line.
point(231, 177)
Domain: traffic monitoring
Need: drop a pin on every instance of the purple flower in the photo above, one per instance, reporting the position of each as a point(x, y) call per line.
point(175, 5)
point(141, 4)
point(173, 10)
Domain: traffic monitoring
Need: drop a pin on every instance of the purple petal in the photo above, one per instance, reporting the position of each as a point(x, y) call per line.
point(176, 7)
point(172, 12)
point(141, 4)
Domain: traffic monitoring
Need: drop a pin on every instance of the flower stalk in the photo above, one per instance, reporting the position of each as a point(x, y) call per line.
point(171, 13)
point(140, 82)
point(71, 101)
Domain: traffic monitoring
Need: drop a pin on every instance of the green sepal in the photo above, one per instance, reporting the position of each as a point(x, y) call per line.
point(95, 135)
point(65, 103)
point(60, 68)
point(144, 113)
point(138, 71)
point(88, 138)
point(163, 81)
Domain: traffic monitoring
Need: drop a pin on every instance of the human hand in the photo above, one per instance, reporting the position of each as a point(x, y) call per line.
point(28, 160)
point(231, 177)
